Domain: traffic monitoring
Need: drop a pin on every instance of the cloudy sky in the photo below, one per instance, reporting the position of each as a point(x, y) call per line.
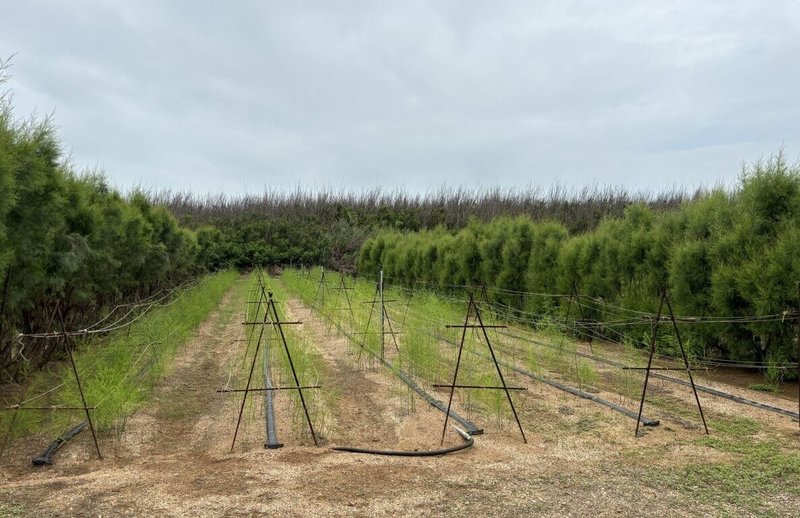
point(239, 96)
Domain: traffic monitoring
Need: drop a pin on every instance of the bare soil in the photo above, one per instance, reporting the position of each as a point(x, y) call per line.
point(173, 457)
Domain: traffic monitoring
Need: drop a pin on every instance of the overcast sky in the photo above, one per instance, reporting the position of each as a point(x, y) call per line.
point(212, 96)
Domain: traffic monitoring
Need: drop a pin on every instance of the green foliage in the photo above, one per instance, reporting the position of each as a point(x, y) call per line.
point(725, 253)
point(755, 470)
point(119, 371)
point(546, 242)
point(69, 241)
point(7, 200)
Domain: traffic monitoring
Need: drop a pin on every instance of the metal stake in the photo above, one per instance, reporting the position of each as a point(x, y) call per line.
point(650, 361)
point(249, 380)
point(685, 359)
point(255, 316)
point(499, 373)
point(383, 316)
point(458, 364)
point(277, 323)
point(78, 381)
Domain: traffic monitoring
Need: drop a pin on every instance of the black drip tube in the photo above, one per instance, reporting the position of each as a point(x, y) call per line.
point(468, 441)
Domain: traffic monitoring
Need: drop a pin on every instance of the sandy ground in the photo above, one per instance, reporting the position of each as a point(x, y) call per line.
point(174, 459)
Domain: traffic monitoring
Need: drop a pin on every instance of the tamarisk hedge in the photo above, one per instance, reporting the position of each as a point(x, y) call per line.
point(68, 241)
point(726, 253)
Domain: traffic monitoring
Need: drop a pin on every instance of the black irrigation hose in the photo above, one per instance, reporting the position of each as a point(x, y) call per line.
point(732, 397)
point(585, 395)
point(269, 408)
point(566, 388)
point(701, 388)
point(46, 457)
point(468, 441)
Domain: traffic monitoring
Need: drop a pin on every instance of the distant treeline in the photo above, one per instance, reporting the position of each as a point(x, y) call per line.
point(726, 253)
point(68, 242)
point(328, 228)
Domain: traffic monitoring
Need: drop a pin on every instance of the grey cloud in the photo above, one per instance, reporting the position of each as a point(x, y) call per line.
point(243, 96)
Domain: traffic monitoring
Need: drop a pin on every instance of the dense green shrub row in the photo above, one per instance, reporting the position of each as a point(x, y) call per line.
point(244, 241)
point(68, 239)
point(728, 253)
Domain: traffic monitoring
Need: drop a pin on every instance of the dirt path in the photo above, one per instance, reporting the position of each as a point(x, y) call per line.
point(373, 408)
point(361, 417)
point(173, 458)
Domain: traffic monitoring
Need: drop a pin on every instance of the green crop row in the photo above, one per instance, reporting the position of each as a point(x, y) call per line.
point(119, 371)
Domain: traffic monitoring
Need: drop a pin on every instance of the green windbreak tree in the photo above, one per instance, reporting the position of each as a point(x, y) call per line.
point(726, 254)
point(36, 221)
point(514, 260)
point(212, 246)
point(448, 267)
point(429, 260)
point(754, 269)
point(691, 267)
point(547, 239)
point(408, 257)
point(470, 264)
point(491, 246)
point(366, 266)
point(70, 243)
point(7, 199)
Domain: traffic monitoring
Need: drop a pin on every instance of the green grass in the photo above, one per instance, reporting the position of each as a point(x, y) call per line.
point(119, 371)
point(587, 374)
point(8, 510)
point(758, 468)
point(764, 387)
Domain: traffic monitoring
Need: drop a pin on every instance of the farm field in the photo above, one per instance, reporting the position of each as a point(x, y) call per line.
point(410, 259)
point(173, 454)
